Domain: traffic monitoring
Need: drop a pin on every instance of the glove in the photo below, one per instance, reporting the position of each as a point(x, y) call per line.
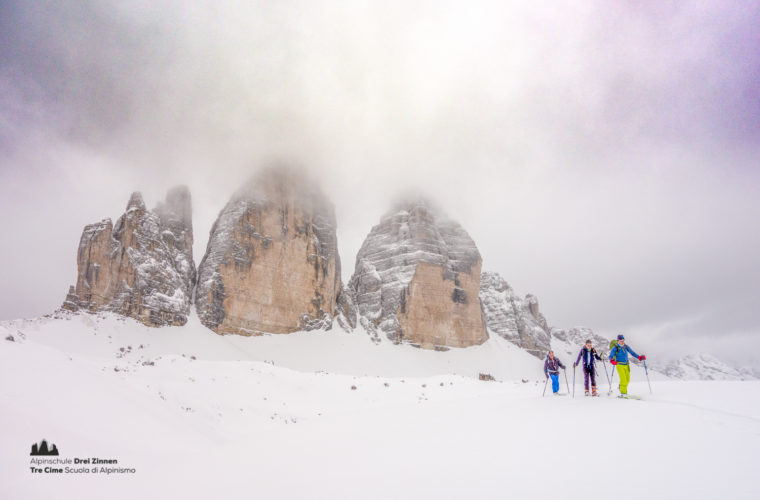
point(613, 362)
point(575, 364)
point(642, 357)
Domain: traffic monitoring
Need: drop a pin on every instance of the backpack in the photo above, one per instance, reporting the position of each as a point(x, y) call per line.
point(614, 347)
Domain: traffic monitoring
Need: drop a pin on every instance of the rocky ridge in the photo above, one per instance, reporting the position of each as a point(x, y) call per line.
point(512, 317)
point(519, 320)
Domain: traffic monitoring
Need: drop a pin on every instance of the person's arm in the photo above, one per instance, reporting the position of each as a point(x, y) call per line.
point(560, 364)
point(596, 355)
point(580, 353)
point(612, 353)
point(546, 367)
point(628, 348)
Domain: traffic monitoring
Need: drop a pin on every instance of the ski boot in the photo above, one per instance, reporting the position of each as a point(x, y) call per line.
point(587, 394)
point(594, 393)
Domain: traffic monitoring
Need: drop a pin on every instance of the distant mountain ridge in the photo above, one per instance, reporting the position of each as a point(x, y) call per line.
point(703, 367)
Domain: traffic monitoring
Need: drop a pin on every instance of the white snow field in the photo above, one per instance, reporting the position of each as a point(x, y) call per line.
point(276, 417)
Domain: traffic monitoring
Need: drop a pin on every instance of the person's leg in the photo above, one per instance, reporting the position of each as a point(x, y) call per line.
point(585, 378)
point(555, 381)
point(625, 377)
point(620, 378)
point(592, 374)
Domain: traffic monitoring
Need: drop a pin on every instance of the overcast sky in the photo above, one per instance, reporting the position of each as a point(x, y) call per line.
point(604, 156)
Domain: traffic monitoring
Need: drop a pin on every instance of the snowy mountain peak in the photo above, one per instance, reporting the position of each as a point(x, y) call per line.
point(135, 202)
point(177, 206)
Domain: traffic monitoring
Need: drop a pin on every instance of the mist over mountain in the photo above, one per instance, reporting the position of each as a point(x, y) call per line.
point(602, 156)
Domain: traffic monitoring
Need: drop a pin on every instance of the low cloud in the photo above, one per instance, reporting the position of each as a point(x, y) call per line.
point(602, 156)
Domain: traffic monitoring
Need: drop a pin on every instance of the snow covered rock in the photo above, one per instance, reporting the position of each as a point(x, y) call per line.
point(143, 266)
point(417, 278)
point(347, 311)
point(272, 263)
point(519, 320)
point(512, 317)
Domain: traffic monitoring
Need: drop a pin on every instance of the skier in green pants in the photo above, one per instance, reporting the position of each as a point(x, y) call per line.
point(619, 358)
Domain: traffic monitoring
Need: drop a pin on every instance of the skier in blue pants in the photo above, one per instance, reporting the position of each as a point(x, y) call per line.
point(551, 369)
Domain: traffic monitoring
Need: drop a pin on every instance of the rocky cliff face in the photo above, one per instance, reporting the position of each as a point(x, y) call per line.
point(272, 263)
point(417, 278)
point(143, 266)
point(512, 317)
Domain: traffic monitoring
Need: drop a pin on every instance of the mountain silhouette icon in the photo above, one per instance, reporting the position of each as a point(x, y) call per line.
point(42, 449)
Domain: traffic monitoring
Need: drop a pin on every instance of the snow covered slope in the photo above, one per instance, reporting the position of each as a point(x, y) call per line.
point(334, 350)
point(334, 415)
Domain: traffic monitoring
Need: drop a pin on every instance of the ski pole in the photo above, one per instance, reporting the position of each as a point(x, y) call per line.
point(611, 379)
point(647, 374)
point(604, 363)
point(573, 380)
point(568, 385)
point(545, 383)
